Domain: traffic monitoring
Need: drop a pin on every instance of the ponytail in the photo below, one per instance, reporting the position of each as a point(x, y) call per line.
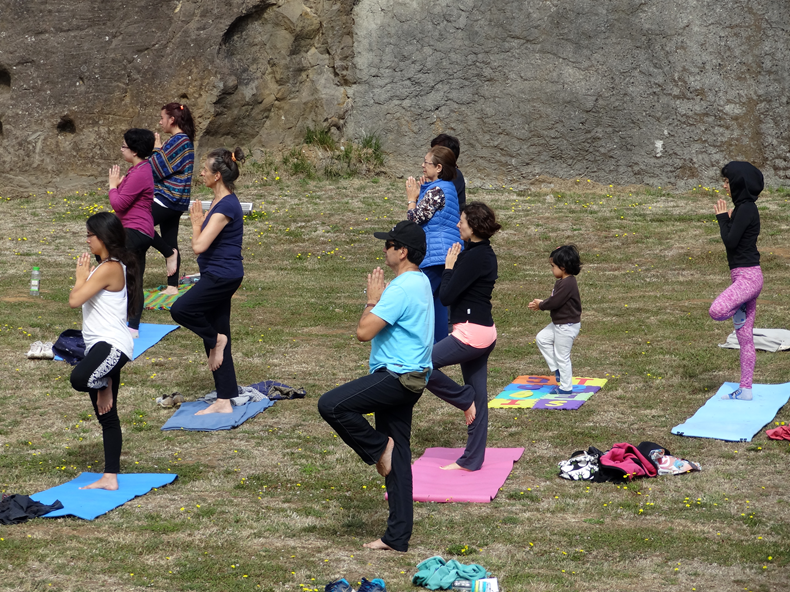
point(182, 118)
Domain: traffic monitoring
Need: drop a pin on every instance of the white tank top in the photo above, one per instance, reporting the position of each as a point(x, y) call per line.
point(104, 318)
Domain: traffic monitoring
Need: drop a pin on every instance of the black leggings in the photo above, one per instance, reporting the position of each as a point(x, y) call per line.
point(168, 221)
point(205, 310)
point(138, 243)
point(101, 362)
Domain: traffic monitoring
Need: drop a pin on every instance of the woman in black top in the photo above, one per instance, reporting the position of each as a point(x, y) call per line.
point(467, 283)
point(739, 229)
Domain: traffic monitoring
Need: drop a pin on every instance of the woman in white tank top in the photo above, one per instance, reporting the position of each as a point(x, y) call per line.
point(103, 291)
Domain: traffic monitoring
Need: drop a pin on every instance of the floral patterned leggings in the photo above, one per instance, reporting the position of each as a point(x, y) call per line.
point(747, 283)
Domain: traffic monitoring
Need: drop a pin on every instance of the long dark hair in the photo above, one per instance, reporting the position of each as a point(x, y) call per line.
point(109, 230)
point(182, 118)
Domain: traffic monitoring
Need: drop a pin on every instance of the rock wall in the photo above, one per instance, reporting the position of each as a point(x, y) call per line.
point(75, 75)
point(622, 91)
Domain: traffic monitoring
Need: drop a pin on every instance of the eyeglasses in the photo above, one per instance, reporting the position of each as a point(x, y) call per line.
point(390, 244)
point(89, 234)
point(124, 147)
point(425, 162)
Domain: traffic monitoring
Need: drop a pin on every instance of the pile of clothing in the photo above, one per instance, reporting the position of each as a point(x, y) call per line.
point(437, 574)
point(623, 461)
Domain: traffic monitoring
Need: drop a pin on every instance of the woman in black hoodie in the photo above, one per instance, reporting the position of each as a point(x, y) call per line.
point(740, 228)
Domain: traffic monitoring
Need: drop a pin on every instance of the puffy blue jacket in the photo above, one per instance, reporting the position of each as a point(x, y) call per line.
point(441, 231)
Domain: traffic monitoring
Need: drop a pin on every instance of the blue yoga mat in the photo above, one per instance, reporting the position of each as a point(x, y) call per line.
point(150, 335)
point(185, 418)
point(90, 503)
point(732, 420)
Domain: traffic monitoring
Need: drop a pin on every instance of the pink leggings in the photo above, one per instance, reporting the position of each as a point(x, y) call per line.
point(747, 282)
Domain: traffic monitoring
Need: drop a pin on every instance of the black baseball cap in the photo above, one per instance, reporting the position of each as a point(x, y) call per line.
point(407, 233)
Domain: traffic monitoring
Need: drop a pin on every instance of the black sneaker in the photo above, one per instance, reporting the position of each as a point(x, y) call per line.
point(340, 585)
point(375, 585)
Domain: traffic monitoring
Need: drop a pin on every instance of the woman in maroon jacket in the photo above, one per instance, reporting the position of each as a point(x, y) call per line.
point(131, 197)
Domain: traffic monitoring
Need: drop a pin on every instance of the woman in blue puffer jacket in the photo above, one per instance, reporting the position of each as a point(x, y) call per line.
point(433, 204)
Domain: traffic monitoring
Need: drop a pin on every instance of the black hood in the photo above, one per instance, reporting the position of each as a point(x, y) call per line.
point(746, 181)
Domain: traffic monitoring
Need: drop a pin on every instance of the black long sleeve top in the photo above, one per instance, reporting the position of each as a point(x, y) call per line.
point(739, 234)
point(467, 288)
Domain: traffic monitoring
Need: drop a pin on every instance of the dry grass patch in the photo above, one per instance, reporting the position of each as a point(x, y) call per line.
point(283, 502)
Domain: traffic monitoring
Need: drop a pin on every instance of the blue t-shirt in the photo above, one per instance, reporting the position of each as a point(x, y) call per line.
point(223, 258)
point(406, 343)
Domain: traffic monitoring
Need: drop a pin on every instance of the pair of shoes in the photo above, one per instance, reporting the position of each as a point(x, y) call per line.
point(739, 318)
point(41, 351)
point(340, 585)
point(741, 394)
point(375, 585)
point(168, 401)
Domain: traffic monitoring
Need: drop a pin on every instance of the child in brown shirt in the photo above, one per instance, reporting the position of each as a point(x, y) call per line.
point(565, 307)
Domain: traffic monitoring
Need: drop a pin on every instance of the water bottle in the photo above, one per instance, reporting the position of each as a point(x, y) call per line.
point(35, 282)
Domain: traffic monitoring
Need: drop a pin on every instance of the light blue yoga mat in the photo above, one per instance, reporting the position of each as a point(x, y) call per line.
point(732, 420)
point(150, 335)
point(90, 503)
point(185, 418)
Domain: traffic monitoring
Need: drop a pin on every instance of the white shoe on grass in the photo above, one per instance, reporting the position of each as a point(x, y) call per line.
point(46, 351)
point(34, 353)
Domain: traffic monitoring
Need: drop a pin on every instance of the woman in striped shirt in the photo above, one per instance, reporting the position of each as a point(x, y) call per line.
point(172, 167)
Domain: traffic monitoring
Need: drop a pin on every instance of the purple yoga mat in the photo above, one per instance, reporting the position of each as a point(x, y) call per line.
point(432, 484)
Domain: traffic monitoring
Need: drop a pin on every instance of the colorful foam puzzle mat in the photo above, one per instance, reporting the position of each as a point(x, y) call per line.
point(534, 392)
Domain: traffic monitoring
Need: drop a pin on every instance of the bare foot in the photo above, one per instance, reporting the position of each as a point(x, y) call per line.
point(217, 354)
point(218, 406)
point(108, 481)
point(170, 290)
point(384, 465)
point(379, 545)
point(454, 467)
point(470, 414)
point(172, 262)
point(104, 400)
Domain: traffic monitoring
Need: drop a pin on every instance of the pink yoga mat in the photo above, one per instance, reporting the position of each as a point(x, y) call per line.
point(432, 484)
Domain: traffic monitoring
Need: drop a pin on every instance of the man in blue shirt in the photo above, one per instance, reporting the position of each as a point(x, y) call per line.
point(398, 321)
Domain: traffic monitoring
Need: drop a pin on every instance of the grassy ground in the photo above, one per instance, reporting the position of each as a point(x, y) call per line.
point(282, 504)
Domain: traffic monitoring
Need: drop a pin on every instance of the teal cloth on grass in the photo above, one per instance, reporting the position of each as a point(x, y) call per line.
point(437, 574)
